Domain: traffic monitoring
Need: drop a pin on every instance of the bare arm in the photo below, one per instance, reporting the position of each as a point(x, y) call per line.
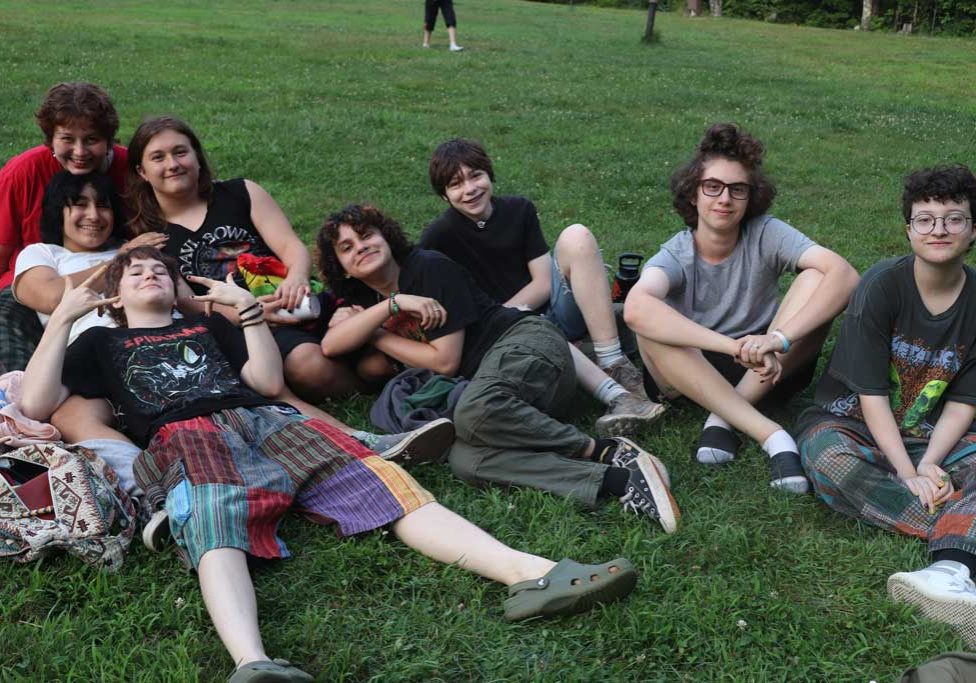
point(263, 369)
point(43, 391)
point(536, 292)
point(881, 423)
point(277, 233)
point(646, 313)
point(41, 288)
point(831, 297)
point(443, 355)
point(359, 328)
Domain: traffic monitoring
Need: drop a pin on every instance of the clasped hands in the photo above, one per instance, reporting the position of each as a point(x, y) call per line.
point(931, 484)
point(758, 352)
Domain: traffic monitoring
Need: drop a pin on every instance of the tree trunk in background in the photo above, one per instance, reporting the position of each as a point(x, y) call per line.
point(716, 7)
point(869, 8)
point(649, 28)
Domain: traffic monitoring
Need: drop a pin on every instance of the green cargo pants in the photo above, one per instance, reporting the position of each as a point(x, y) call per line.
point(506, 430)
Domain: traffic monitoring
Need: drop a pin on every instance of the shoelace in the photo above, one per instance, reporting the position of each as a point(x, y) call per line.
point(639, 502)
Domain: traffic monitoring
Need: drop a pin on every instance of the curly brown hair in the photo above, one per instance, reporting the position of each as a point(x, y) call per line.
point(146, 216)
point(65, 103)
point(117, 266)
point(360, 217)
point(722, 141)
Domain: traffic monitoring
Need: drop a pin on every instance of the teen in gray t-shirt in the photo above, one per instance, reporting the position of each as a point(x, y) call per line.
point(740, 295)
point(705, 309)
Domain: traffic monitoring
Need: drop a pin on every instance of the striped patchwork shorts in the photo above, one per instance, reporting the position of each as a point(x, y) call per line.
point(229, 477)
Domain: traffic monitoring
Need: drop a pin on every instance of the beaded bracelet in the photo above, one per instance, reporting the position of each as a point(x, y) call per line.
point(394, 308)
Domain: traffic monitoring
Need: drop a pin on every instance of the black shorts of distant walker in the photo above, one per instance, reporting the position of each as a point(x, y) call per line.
point(430, 13)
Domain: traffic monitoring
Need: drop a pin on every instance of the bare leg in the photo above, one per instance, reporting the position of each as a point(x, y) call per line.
point(687, 372)
point(375, 368)
point(426, 38)
point(229, 595)
point(580, 262)
point(313, 377)
point(442, 535)
point(452, 35)
point(82, 419)
point(588, 375)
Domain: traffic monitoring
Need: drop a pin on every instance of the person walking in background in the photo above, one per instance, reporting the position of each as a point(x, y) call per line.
point(446, 8)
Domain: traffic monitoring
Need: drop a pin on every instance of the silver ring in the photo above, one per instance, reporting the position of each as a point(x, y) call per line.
point(756, 346)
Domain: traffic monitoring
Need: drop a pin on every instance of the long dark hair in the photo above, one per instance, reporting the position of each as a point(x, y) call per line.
point(145, 211)
point(723, 141)
point(64, 190)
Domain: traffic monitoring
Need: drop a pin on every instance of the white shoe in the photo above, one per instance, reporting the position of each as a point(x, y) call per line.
point(943, 592)
point(456, 48)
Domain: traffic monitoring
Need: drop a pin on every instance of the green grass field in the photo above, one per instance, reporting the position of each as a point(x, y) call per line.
point(334, 101)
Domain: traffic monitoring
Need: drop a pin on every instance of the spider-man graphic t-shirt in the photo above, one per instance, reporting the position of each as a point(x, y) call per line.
point(158, 375)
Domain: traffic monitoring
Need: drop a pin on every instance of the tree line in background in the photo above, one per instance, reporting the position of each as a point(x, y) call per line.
point(947, 17)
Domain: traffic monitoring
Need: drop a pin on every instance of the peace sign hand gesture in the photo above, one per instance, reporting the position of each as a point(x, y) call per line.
point(77, 301)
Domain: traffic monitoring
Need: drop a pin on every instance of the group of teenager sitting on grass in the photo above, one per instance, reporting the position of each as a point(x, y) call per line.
point(212, 417)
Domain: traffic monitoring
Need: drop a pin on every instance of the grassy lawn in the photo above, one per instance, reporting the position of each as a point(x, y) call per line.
point(334, 101)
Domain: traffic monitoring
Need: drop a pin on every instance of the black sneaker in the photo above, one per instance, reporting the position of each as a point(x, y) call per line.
point(648, 486)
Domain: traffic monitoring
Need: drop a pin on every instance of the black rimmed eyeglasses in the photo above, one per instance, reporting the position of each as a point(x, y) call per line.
point(712, 187)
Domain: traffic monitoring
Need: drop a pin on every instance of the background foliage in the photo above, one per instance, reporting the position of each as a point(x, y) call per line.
point(948, 17)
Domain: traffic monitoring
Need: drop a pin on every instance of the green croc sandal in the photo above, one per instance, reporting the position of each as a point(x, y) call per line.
point(570, 588)
point(274, 671)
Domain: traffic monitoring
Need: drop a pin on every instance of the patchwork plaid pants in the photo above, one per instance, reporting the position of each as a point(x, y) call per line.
point(851, 475)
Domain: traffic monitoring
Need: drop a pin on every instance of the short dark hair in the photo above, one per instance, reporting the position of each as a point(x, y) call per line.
point(140, 197)
point(360, 217)
point(64, 189)
point(117, 266)
point(450, 156)
point(77, 102)
point(722, 141)
point(954, 182)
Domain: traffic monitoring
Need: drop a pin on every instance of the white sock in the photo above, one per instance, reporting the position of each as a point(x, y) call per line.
point(715, 421)
point(608, 391)
point(609, 353)
point(778, 442)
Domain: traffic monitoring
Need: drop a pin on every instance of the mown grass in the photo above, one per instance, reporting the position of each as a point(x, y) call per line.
point(334, 101)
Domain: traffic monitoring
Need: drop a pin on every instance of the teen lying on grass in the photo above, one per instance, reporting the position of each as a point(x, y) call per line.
point(705, 307)
point(424, 310)
point(890, 440)
point(499, 241)
point(229, 462)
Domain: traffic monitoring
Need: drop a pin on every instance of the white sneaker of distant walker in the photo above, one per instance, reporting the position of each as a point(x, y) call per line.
point(456, 48)
point(943, 592)
point(308, 309)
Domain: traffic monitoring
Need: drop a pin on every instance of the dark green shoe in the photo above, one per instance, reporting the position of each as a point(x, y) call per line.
point(570, 588)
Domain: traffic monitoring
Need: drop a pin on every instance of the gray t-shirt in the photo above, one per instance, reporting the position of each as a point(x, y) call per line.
point(738, 296)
